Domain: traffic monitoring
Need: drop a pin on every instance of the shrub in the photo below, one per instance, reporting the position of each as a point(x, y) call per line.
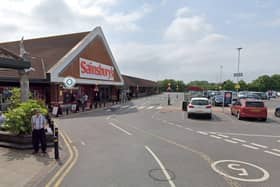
point(18, 119)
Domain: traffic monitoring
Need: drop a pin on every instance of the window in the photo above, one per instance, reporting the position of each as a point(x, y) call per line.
point(200, 102)
point(254, 104)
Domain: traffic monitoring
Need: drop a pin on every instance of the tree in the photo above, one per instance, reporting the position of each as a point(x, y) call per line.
point(243, 85)
point(263, 83)
point(228, 85)
point(163, 84)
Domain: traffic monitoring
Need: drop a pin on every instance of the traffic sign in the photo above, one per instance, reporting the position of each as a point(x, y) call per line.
point(237, 86)
point(238, 74)
point(69, 82)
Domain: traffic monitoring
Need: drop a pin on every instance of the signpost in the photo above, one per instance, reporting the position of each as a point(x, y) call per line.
point(238, 74)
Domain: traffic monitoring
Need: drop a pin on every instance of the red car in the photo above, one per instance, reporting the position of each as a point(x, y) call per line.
point(249, 109)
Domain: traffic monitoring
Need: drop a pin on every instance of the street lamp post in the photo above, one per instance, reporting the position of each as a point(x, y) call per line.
point(238, 63)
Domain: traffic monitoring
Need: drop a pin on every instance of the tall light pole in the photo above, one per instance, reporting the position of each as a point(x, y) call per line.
point(221, 74)
point(238, 63)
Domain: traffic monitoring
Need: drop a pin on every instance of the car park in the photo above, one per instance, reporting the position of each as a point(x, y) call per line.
point(199, 106)
point(277, 111)
point(247, 108)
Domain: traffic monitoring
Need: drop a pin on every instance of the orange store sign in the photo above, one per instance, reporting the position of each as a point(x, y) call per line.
point(94, 70)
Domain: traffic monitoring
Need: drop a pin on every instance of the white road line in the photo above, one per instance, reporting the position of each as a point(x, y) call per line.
point(249, 146)
point(277, 150)
point(278, 141)
point(272, 153)
point(253, 135)
point(108, 110)
point(188, 129)
point(224, 136)
point(121, 129)
point(217, 137)
point(179, 126)
point(258, 145)
point(140, 107)
point(150, 107)
point(161, 166)
point(125, 106)
point(230, 141)
point(201, 132)
point(239, 140)
point(170, 123)
point(159, 107)
point(132, 107)
point(83, 143)
point(213, 132)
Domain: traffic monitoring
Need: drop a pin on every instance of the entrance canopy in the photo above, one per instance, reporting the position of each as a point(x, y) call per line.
point(12, 61)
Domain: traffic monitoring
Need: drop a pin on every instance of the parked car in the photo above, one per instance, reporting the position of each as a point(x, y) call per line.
point(199, 106)
point(242, 95)
point(277, 111)
point(253, 96)
point(218, 100)
point(261, 95)
point(246, 108)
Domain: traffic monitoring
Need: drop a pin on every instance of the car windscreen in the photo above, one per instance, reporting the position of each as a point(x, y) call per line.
point(254, 104)
point(200, 102)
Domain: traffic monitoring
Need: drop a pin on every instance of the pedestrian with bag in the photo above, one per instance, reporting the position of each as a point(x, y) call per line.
point(38, 122)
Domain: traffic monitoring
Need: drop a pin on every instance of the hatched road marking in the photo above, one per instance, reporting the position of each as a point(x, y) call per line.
point(224, 136)
point(277, 150)
point(201, 132)
point(272, 153)
point(230, 141)
point(258, 145)
point(249, 146)
point(239, 140)
point(150, 107)
point(217, 137)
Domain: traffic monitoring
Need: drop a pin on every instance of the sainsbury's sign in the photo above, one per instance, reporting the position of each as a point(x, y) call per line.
point(94, 70)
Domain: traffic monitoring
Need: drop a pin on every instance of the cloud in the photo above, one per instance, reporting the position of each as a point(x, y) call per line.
point(182, 12)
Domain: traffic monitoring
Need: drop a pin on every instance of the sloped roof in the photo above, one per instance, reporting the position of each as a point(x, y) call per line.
point(134, 81)
point(50, 49)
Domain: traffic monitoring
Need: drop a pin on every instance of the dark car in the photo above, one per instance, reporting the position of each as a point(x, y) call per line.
point(277, 111)
point(253, 96)
point(218, 100)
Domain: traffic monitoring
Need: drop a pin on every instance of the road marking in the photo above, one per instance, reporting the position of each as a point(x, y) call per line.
point(108, 110)
point(241, 167)
point(161, 166)
point(170, 123)
point(239, 140)
point(121, 129)
point(249, 146)
point(224, 136)
point(159, 107)
point(125, 106)
point(278, 141)
point(188, 129)
point(83, 143)
point(108, 118)
point(277, 150)
point(132, 107)
point(201, 132)
point(217, 137)
point(58, 177)
point(230, 141)
point(150, 107)
point(272, 153)
point(140, 107)
point(258, 145)
point(180, 126)
point(242, 134)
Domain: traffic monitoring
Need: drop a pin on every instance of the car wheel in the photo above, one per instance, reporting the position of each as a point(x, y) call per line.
point(277, 113)
point(189, 116)
point(238, 116)
point(210, 116)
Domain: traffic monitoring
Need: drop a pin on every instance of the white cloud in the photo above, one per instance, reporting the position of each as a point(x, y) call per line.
point(182, 12)
point(187, 29)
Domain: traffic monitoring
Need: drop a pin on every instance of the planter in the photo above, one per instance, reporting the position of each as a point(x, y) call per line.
point(10, 140)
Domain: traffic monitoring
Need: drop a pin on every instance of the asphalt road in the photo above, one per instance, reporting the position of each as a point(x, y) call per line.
point(147, 143)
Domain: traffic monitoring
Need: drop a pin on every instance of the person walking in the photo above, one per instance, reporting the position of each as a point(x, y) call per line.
point(38, 122)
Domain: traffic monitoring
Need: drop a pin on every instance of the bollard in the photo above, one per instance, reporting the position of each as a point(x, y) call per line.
point(56, 150)
point(52, 125)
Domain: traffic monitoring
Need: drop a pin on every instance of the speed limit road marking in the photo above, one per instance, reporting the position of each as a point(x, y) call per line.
point(241, 168)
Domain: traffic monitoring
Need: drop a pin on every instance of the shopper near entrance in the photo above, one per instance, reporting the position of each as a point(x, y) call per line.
point(2, 119)
point(38, 122)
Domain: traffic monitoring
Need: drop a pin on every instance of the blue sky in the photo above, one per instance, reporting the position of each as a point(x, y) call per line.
point(156, 39)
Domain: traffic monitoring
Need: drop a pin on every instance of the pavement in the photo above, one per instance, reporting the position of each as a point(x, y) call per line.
point(21, 168)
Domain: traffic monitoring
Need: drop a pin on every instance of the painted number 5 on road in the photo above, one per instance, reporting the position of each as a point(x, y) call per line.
point(238, 170)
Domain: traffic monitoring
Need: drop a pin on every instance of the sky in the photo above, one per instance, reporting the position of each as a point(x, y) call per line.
point(157, 39)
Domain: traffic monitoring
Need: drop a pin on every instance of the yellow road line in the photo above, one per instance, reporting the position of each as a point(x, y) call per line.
point(54, 178)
